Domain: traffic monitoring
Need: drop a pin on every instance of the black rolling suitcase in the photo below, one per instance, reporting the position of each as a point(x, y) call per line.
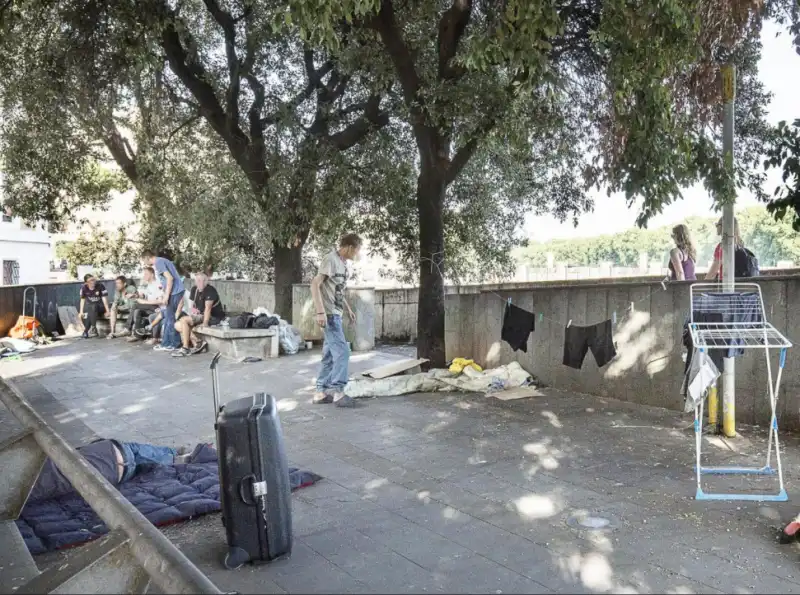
point(254, 478)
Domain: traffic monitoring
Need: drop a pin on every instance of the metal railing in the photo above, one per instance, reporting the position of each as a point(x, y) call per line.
point(161, 560)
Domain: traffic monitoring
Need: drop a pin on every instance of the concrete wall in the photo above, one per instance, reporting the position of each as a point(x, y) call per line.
point(48, 297)
point(396, 309)
point(648, 368)
point(361, 300)
point(246, 296)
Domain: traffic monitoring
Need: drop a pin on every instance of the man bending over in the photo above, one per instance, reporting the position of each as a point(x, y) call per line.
point(206, 310)
point(173, 297)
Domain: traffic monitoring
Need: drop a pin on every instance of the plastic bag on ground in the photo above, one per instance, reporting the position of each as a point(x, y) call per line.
point(289, 338)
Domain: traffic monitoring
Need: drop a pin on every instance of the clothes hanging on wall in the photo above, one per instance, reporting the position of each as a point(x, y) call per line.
point(518, 324)
point(579, 339)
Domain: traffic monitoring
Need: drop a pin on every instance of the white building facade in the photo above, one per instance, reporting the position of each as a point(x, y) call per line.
point(25, 252)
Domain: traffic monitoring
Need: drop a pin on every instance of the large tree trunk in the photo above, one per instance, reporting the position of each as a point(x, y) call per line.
point(430, 311)
point(288, 271)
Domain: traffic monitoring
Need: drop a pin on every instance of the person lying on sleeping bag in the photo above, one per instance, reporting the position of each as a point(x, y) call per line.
point(115, 460)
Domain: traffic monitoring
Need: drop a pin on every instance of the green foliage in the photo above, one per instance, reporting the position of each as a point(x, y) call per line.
point(770, 240)
point(784, 150)
point(785, 155)
point(112, 253)
point(50, 167)
point(63, 249)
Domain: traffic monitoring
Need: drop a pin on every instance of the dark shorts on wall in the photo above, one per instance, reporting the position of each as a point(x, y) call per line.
point(579, 339)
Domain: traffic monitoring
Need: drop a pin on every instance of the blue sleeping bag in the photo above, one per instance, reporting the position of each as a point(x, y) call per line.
point(164, 494)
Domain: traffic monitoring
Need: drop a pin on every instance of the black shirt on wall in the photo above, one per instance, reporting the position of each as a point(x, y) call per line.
point(518, 324)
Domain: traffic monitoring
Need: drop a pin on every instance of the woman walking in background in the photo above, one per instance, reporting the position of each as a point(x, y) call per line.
point(715, 272)
point(683, 256)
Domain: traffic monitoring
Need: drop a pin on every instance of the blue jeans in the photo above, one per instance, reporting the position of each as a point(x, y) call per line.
point(170, 337)
point(134, 453)
point(335, 357)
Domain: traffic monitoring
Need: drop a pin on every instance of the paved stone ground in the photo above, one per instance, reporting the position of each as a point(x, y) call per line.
point(443, 493)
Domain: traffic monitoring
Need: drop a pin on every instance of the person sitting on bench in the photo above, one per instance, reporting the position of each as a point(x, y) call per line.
point(94, 296)
point(206, 310)
point(149, 298)
point(122, 305)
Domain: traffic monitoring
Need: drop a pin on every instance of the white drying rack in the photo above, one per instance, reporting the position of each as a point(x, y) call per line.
point(744, 325)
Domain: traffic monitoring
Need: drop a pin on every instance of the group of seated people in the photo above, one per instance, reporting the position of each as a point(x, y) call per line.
point(143, 311)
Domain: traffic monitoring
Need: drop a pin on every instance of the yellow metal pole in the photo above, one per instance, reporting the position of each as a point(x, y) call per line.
point(713, 408)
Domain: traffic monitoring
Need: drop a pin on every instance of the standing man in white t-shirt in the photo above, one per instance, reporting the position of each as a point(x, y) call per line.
point(328, 291)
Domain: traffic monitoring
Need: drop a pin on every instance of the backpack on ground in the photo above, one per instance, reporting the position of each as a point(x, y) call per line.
point(243, 320)
point(265, 321)
point(745, 263)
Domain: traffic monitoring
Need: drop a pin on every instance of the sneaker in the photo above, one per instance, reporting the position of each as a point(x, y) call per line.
point(182, 352)
point(201, 347)
point(144, 332)
point(161, 347)
point(321, 398)
point(85, 334)
point(93, 333)
point(110, 336)
point(342, 400)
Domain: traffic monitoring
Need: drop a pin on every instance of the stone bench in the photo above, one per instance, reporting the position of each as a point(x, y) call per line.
point(239, 343)
point(104, 325)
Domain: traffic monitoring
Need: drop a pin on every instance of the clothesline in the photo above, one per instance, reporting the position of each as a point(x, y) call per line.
point(541, 316)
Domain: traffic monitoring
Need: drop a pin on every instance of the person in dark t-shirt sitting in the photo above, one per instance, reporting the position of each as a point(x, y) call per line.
point(94, 297)
point(206, 310)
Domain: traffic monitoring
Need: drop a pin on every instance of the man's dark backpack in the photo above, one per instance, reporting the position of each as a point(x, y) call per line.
point(243, 320)
point(745, 263)
point(265, 321)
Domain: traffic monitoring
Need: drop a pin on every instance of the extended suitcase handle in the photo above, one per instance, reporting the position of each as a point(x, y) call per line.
point(215, 384)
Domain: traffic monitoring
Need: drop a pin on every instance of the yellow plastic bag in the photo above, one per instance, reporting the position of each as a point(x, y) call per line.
point(460, 363)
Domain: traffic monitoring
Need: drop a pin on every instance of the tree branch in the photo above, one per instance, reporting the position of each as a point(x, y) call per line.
point(391, 36)
point(314, 78)
point(372, 118)
point(226, 21)
point(194, 77)
point(189, 121)
point(465, 153)
point(452, 26)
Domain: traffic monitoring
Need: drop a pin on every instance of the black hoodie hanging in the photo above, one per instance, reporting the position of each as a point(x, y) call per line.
point(518, 324)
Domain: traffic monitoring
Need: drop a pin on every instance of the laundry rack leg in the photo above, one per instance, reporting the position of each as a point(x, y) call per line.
point(773, 426)
point(698, 440)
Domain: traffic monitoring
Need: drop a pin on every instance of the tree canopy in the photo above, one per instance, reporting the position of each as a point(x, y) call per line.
point(251, 128)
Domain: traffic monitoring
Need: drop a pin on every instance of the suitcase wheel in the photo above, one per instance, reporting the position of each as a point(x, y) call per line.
point(236, 558)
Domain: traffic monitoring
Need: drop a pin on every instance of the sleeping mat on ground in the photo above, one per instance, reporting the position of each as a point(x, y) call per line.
point(164, 494)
